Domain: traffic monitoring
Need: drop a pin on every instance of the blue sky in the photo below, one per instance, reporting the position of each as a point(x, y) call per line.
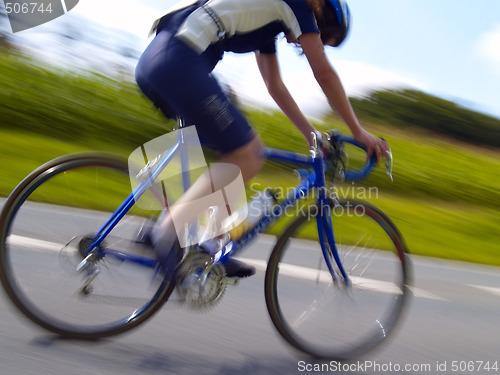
point(449, 48)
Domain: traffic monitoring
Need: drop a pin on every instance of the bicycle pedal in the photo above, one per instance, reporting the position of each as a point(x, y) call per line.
point(92, 273)
point(233, 281)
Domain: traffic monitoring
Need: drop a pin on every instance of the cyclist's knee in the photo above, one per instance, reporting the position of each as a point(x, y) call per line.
point(256, 155)
point(248, 157)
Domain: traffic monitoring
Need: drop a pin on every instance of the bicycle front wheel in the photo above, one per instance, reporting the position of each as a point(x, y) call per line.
point(46, 226)
point(326, 317)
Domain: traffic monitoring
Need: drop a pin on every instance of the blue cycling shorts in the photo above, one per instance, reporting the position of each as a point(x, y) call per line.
point(178, 81)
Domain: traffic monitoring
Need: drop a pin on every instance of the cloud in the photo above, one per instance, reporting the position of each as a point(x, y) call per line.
point(241, 73)
point(488, 48)
point(132, 16)
point(359, 78)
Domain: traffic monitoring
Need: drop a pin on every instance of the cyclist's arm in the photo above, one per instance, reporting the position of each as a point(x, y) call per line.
point(269, 69)
point(330, 83)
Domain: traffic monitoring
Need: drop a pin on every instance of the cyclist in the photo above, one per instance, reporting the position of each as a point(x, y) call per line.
point(174, 73)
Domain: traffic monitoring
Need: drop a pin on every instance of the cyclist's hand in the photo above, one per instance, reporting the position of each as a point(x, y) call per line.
point(373, 145)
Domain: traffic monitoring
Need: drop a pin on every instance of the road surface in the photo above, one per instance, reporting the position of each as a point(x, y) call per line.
point(450, 327)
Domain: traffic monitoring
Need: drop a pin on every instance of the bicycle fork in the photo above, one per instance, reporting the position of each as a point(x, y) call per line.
point(324, 218)
point(328, 244)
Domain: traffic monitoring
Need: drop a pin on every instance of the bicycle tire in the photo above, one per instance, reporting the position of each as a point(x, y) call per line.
point(35, 223)
point(298, 285)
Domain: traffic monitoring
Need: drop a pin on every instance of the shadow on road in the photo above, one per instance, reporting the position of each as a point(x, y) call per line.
point(110, 356)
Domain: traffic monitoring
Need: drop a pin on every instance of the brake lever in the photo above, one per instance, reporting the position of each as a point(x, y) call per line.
point(388, 161)
point(388, 164)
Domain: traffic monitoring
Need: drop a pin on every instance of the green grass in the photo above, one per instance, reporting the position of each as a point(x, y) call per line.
point(445, 197)
point(22, 152)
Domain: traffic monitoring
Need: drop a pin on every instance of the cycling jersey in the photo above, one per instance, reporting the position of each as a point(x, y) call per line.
point(246, 25)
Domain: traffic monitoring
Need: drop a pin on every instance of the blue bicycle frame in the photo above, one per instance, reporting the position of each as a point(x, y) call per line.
point(313, 178)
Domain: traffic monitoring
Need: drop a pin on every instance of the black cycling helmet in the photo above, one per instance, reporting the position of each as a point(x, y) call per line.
point(344, 19)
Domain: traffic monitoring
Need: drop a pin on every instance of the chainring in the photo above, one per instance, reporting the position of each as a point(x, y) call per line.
point(201, 283)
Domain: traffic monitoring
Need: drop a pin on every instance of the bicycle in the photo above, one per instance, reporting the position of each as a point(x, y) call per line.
point(66, 261)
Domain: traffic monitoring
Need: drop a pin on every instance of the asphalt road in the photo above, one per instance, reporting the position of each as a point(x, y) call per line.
point(451, 326)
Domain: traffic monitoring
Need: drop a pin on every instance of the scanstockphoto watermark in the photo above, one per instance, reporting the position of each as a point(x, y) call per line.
point(334, 192)
point(26, 14)
point(312, 207)
point(311, 211)
point(363, 367)
point(372, 367)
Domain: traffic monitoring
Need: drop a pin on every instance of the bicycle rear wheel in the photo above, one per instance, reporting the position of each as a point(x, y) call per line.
point(45, 229)
point(322, 316)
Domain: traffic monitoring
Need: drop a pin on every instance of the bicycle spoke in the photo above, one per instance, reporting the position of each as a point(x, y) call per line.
point(327, 317)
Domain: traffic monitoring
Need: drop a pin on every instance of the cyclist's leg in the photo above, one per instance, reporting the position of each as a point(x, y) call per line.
point(175, 77)
point(247, 158)
point(164, 233)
